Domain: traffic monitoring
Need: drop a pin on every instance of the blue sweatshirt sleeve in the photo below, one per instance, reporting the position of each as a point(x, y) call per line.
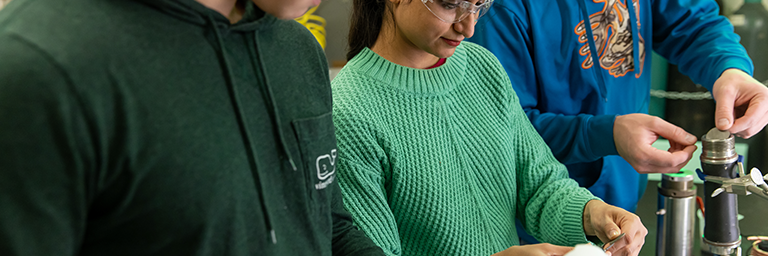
point(572, 138)
point(691, 34)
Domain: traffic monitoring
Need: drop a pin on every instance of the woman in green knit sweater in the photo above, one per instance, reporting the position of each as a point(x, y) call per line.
point(436, 156)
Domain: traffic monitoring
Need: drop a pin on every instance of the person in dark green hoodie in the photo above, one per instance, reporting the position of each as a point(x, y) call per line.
point(167, 127)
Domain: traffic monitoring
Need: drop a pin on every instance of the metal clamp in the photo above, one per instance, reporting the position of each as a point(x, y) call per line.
point(743, 185)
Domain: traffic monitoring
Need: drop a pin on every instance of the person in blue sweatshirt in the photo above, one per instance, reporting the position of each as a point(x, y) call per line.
point(582, 71)
point(167, 127)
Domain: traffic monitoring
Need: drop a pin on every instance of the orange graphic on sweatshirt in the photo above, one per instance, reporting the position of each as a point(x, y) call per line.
point(613, 38)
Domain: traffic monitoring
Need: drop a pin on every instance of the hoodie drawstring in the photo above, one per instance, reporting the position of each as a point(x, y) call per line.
point(633, 23)
point(275, 113)
point(593, 50)
point(244, 131)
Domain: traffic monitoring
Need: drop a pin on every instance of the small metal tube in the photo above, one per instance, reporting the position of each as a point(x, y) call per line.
point(677, 226)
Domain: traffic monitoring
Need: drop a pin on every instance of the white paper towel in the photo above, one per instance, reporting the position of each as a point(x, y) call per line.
point(586, 250)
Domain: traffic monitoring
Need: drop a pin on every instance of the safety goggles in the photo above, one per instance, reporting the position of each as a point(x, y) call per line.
point(453, 11)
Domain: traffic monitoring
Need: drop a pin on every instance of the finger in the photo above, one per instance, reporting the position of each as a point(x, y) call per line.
point(636, 242)
point(625, 247)
point(753, 120)
point(684, 153)
point(620, 247)
point(634, 237)
point(688, 150)
point(724, 109)
point(664, 161)
point(674, 133)
point(611, 231)
point(755, 129)
point(637, 235)
point(624, 251)
point(674, 146)
point(638, 245)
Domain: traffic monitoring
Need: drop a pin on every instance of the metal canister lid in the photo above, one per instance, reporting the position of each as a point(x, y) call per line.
point(677, 184)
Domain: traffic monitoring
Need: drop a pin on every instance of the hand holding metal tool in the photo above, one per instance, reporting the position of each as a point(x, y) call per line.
point(609, 244)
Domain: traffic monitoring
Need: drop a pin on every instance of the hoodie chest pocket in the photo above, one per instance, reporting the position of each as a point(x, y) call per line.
point(317, 143)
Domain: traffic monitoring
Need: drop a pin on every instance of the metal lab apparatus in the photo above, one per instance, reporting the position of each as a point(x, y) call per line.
point(721, 230)
point(724, 178)
point(677, 194)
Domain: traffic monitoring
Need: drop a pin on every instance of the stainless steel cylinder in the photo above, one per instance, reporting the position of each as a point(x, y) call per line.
point(679, 195)
point(721, 230)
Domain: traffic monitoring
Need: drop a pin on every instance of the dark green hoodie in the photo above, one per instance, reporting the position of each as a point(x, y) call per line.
point(157, 128)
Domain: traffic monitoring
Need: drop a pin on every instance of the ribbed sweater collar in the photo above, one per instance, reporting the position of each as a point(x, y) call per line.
point(420, 81)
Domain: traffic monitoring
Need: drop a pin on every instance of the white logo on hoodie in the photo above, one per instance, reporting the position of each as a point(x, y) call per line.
point(326, 167)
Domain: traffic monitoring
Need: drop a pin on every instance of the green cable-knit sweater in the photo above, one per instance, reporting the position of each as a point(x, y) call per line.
point(441, 161)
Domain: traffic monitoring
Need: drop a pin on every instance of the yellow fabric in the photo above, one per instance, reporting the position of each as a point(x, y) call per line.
point(315, 24)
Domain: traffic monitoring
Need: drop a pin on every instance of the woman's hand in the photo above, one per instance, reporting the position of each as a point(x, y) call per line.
point(535, 250)
point(607, 222)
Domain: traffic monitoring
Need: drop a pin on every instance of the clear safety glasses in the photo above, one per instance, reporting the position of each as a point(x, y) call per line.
point(453, 11)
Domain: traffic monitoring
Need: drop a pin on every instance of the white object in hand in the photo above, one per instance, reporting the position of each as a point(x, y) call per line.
point(586, 250)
